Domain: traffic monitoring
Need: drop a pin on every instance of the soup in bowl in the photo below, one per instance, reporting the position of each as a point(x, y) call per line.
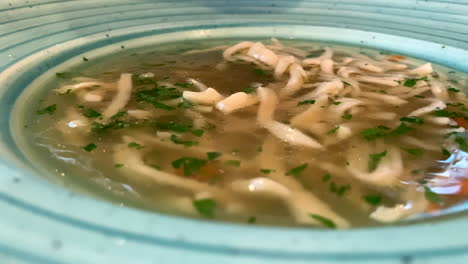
point(274, 132)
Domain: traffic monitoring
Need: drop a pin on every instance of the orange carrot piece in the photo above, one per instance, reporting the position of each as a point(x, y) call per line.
point(396, 58)
point(463, 191)
point(461, 122)
point(433, 207)
point(205, 174)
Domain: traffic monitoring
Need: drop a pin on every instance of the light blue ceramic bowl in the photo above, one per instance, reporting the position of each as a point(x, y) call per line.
point(41, 222)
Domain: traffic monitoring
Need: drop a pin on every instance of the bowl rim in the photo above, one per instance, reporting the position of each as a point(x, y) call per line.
point(52, 203)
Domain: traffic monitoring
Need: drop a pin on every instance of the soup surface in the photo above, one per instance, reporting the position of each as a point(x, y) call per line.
point(283, 133)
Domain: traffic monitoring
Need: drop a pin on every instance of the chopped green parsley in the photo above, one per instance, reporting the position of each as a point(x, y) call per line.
point(205, 207)
point(90, 147)
point(189, 164)
point(324, 221)
point(249, 90)
point(266, 171)
point(374, 132)
point(373, 200)
point(374, 160)
point(261, 72)
point(326, 177)
point(453, 90)
point(135, 145)
point(297, 171)
point(213, 155)
point(252, 220)
point(186, 143)
point(413, 120)
point(67, 75)
point(333, 130)
point(234, 163)
point(306, 102)
point(47, 110)
point(445, 152)
point(91, 113)
point(347, 116)
point(431, 196)
point(184, 85)
point(415, 151)
point(410, 82)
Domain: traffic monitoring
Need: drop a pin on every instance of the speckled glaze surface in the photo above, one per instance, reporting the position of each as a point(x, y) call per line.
point(41, 222)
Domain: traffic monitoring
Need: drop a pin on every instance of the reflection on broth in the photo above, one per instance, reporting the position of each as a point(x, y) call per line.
point(271, 133)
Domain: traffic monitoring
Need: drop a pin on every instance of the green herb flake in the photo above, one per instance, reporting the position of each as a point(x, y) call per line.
point(431, 196)
point(415, 172)
point(306, 102)
point(234, 163)
point(326, 177)
point(410, 82)
point(90, 147)
point(462, 140)
point(135, 145)
point(158, 94)
point(324, 221)
point(198, 132)
point(174, 126)
point(47, 110)
point(67, 75)
point(91, 113)
point(213, 155)
point(415, 151)
point(205, 207)
point(184, 85)
point(342, 190)
point(259, 149)
point(297, 171)
point(118, 165)
point(85, 59)
point(260, 72)
point(155, 166)
point(373, 200)
point(446, 113)
point(118, 115)
point(190, 165)
point(249, 90)
point(400, 130)
point(445, 152)
point(374, 160)
point(374, 133)
point(347, 116)
point(419, 96)
point(266, 171)
point(456, 104)
point(252, 220)
point(333, 130)
point(186, 143)
point(336, 103)
point(413, 120)
point(346, 83)
point(454, 90)
point(115, 124)
point(185, 104)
